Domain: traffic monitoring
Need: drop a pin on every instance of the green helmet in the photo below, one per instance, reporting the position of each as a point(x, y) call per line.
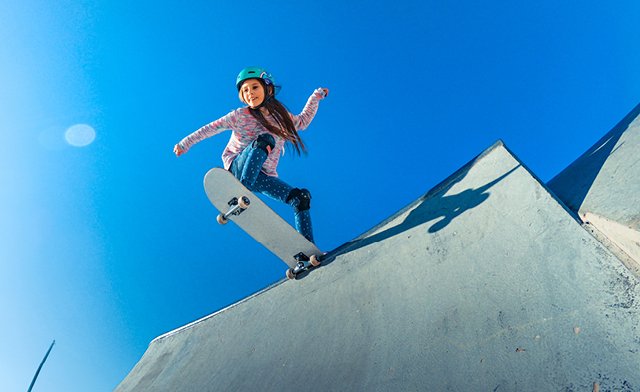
point(257, 73)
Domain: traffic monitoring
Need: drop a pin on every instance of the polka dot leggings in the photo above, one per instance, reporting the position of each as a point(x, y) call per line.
point(247, 168)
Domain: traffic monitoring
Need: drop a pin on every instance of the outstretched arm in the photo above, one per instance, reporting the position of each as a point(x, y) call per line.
point(211, 129)
point(303, 120)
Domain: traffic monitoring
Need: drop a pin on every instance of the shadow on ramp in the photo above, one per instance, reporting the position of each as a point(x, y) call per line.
point(435, 204)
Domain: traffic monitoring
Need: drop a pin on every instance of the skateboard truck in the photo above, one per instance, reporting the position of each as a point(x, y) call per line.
point(304, 263)
point(237, 206)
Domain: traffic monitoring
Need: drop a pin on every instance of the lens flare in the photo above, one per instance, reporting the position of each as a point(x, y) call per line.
point(80, 135)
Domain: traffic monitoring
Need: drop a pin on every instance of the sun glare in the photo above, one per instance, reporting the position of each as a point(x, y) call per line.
point(80, 135)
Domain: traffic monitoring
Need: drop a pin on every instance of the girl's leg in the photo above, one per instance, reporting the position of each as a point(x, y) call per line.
point(248, 165)
point(299, 199)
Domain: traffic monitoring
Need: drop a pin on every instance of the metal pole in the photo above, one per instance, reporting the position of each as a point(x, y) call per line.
point(40, 367)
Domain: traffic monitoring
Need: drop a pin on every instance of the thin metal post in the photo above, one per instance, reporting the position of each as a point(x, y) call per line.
point(40, 367)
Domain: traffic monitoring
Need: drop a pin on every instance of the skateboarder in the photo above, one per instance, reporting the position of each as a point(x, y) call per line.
point(259, 133)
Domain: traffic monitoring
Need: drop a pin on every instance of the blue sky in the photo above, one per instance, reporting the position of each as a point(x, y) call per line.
point(105, 246)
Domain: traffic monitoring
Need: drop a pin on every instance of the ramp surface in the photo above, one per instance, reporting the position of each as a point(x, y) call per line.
point(485, 283)
point(603, 187)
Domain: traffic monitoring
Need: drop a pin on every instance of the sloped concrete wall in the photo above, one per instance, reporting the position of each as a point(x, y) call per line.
point(486, 283)
point(603, 187)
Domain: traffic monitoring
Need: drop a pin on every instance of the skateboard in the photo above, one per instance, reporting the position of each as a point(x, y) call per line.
point(238, 204)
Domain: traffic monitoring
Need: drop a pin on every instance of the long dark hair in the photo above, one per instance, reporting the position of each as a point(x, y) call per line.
point(285, 127)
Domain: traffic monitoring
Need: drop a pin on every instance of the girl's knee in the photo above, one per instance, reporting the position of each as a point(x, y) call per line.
point(265, 142)
point(300, 199)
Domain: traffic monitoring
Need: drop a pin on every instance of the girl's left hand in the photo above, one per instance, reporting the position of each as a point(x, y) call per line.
point(326, 91)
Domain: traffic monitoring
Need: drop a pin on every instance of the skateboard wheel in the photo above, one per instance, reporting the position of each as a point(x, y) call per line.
point(221, 219)
point(243, 202)
point(290, 274)
point(314, 261)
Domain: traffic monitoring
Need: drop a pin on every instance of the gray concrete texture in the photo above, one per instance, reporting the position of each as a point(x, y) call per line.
point(603, 186)
point(486, 283)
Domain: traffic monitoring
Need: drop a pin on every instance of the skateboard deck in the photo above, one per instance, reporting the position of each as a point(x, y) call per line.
point(236, 203)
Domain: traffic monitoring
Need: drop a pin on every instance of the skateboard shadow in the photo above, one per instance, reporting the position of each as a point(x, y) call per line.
point(435, 205)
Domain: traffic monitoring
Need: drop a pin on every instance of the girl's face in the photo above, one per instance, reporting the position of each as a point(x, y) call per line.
point(252, 92)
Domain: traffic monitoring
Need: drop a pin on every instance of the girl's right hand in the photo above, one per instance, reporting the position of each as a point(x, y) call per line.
point(178, 150)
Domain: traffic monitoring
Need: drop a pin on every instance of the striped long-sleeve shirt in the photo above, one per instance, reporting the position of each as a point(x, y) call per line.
point(246, 128)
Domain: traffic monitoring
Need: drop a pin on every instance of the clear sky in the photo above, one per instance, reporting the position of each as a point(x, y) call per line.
point(107, 240)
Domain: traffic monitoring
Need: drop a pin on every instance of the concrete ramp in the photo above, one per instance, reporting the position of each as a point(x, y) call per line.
point(487, 283)
point(603, 187)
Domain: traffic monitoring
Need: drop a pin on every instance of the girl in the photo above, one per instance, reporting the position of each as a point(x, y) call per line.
point(260, 131)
